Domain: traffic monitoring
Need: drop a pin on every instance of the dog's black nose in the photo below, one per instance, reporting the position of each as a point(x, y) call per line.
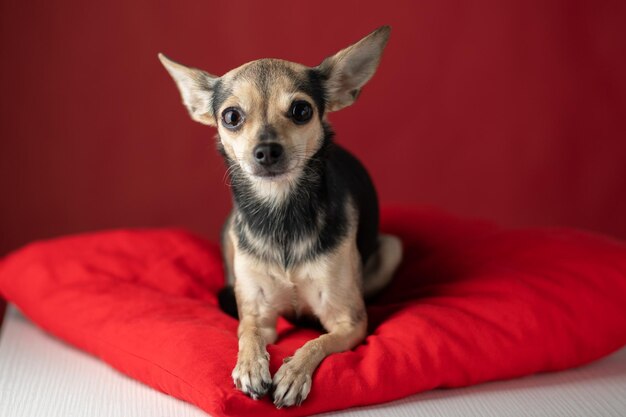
point(268, 154)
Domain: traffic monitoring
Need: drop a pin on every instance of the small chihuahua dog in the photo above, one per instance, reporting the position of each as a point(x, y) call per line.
point(302, 239)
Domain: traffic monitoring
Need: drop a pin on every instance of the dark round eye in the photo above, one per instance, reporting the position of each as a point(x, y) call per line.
point(232, 118)
point(301, 112)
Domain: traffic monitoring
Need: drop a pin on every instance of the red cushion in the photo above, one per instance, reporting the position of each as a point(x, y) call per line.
point(471, 303)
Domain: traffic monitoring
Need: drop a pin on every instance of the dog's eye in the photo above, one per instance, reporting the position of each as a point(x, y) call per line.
point(232, 118)
point(301, 112)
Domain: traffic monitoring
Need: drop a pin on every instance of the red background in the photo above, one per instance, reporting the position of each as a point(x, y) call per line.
point(512, 111)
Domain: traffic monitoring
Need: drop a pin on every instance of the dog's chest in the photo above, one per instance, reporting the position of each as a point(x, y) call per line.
point(300, 291)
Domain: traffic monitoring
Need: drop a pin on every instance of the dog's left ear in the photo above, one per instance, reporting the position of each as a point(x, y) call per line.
point(196, 89)
point(349, 69)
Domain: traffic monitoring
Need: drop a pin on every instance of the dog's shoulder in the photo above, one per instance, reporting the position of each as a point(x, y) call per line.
point(348, 176)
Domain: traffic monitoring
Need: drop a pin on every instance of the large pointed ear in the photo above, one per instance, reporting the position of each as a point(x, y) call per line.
point(349, 69)
point(196, 89)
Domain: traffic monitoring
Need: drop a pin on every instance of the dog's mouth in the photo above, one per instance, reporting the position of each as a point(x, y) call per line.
point(286, 169)
point(271, 174)
point(275, 172)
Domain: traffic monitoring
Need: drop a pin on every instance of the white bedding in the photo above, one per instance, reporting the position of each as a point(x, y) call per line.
point(41, 376)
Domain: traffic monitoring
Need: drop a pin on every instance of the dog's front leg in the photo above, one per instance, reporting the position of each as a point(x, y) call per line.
point(257, 328)
point(251, 374)
point(292, 382)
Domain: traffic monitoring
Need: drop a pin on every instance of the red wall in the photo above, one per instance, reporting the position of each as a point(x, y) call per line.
point(513, 111)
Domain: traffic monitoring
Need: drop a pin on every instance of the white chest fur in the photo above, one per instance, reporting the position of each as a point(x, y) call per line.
point(324, 286)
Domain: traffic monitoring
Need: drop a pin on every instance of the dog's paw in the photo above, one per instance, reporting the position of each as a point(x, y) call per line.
point(252, 375)
point(291, 385)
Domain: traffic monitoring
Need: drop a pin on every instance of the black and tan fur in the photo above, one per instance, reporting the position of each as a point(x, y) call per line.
point(302, 239)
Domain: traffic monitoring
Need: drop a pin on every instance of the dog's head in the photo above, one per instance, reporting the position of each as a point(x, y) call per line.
point(270, 113)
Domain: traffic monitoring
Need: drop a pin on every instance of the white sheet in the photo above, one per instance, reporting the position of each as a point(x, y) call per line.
point(41, 376)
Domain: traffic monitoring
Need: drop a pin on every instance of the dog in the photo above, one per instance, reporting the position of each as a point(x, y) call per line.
point(302, 238)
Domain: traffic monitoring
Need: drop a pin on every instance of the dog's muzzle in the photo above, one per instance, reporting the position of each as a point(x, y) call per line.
point(270, 159)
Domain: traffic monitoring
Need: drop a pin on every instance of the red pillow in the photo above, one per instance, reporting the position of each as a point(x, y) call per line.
point(470, 304)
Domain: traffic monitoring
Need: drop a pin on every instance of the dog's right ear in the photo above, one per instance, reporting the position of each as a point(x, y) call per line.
point(196, 89)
